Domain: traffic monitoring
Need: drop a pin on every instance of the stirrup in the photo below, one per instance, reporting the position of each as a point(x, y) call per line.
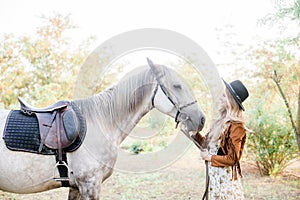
point(64, 164)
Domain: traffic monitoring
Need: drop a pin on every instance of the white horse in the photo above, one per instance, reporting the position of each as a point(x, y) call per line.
point(110, 116)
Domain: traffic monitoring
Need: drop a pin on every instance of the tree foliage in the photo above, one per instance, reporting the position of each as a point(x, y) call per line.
point(43, 67)
point(285, 10)
point(273, 142)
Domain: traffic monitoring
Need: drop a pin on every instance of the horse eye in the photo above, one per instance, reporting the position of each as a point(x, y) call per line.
point(177, 86)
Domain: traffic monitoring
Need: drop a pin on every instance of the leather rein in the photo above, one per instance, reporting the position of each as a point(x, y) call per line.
point(179, 111)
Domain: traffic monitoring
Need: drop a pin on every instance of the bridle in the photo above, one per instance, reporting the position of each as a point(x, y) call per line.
point(167, 93)
point(175, 104)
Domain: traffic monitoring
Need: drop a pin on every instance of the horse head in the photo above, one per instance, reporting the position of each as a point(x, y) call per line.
point(174, 98)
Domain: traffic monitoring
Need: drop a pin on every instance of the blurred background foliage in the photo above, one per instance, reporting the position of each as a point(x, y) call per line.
point(43, 69)
point(273, 143)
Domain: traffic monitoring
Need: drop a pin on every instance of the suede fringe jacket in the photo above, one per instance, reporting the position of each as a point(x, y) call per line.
point(231, 148)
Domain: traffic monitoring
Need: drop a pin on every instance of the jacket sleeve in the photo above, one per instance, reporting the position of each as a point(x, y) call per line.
point(199, 139)
point(237, 133)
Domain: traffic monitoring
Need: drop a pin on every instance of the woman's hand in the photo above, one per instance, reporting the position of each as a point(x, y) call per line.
point(205, 155)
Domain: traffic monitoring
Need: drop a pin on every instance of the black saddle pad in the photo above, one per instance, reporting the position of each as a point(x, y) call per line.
point(21, 133)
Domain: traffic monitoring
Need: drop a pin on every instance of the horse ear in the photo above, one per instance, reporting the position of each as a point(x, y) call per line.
point(154, 69)
point(150, 63)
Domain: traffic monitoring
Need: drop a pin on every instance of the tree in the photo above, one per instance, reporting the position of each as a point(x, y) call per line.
point(273, 142)
point(289, 11)
point(276, 93)
point(41, 68)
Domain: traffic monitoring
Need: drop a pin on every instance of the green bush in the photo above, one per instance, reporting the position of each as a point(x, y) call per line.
point(272, 143)
point(136, 147)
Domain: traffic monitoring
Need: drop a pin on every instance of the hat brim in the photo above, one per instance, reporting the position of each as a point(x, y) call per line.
point(234, 95)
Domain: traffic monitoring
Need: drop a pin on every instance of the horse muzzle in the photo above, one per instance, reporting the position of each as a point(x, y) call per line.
point(192, 123)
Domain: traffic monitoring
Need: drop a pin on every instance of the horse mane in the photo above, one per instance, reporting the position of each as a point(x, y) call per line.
point(122, 99)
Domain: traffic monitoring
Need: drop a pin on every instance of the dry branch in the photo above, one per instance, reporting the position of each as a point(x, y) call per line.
point(295, 127)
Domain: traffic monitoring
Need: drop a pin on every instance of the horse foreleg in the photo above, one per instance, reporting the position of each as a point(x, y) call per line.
point(73, 194)
point(89, 189)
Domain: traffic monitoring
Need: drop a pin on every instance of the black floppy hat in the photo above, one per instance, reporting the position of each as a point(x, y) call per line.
point(239, 92)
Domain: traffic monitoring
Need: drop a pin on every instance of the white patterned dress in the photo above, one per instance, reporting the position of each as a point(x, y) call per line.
point(221, 184)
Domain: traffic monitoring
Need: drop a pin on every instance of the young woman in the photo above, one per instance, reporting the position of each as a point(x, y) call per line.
point(225, 143)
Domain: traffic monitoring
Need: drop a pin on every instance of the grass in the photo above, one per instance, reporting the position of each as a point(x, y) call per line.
point(184, 180)
point(272, 188)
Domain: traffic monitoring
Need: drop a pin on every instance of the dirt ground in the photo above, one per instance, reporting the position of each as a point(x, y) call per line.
point(184, 180)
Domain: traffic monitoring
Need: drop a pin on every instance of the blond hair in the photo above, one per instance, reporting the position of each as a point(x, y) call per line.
point(228, 112)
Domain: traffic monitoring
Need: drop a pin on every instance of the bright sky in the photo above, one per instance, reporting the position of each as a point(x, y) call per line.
point(196, 19)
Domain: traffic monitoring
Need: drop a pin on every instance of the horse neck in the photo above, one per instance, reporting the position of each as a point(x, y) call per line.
point(116, 111)
point(133, 100)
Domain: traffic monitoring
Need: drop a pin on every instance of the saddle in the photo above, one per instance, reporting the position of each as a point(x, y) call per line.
point(58, 124)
